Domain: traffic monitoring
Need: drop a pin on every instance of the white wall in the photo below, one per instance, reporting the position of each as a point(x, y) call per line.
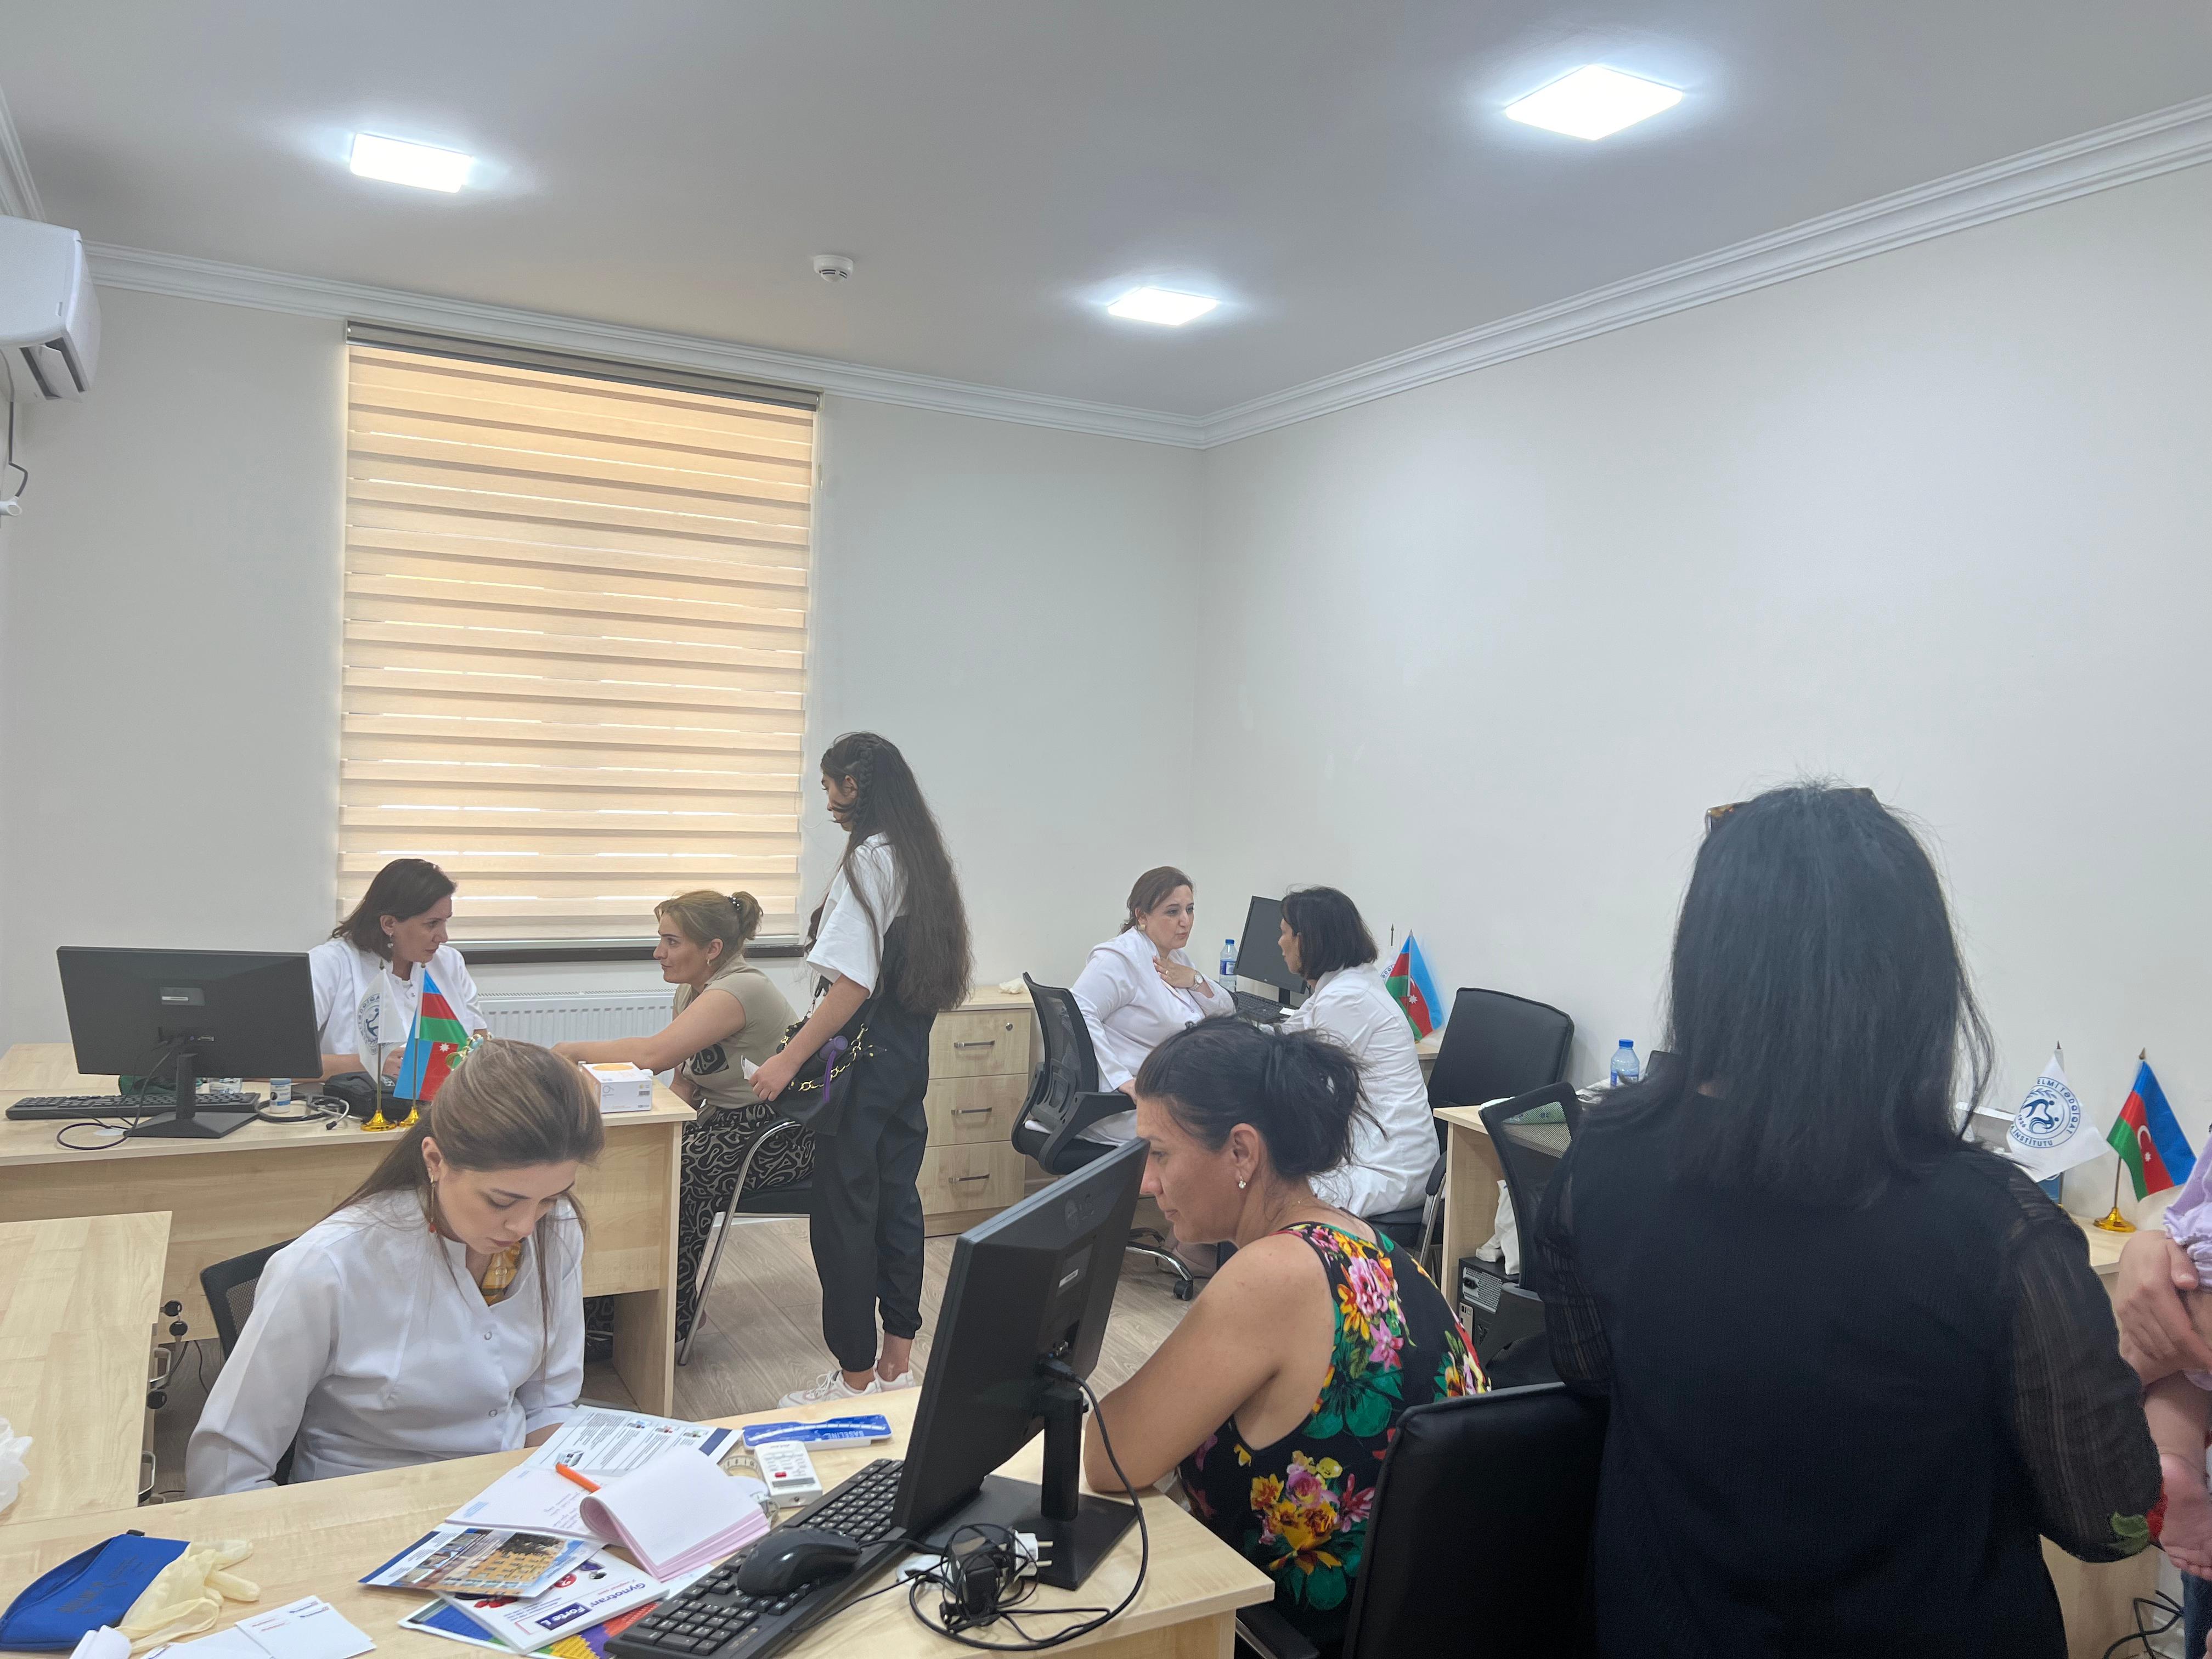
point(168, 655)
point(1935, 522)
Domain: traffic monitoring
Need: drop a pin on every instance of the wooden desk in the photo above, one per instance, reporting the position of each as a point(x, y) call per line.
point(269, 1182)
point(315, 1540)
point(78, 1301)
point(2095, 1598)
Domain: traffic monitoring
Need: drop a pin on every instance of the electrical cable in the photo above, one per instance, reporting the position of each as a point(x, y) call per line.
point(2142, 1633)
point(13, 463)
point(954, 1617)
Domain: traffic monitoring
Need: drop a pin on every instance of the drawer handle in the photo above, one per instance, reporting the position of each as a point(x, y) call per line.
point(962, 1180)
point(988, 1042)
point(973, 1111)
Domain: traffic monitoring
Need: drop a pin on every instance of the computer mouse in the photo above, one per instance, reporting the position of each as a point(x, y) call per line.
point(790, 1558)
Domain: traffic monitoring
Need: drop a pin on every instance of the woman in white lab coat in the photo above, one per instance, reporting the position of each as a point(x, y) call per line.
point(369, 974)
point(1393, 1146)
point(439, 1311)
point(1140, 989)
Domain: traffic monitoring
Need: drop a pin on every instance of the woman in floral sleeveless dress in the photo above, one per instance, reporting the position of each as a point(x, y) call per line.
point(1277, 1395)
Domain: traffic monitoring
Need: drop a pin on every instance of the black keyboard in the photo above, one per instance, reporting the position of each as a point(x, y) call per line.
point(714, 1617)
point(1264, 1010)
point(75, 1107)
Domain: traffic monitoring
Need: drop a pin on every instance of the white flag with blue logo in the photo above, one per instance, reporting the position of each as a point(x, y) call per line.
point(2053, 1131)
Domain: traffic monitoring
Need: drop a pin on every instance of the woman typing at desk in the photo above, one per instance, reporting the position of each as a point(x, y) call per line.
point(439, 1311)
point(1278, 1394)
point(369, 974)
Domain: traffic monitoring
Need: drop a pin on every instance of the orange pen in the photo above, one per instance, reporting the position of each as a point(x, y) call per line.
point(564, 1470)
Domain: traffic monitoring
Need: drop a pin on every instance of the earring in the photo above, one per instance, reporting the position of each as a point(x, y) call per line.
point(1240, 1184)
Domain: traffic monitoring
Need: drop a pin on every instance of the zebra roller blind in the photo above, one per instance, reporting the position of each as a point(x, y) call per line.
point(575, 636)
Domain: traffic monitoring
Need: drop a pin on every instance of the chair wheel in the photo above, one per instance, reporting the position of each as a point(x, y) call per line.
point(1185, 1288)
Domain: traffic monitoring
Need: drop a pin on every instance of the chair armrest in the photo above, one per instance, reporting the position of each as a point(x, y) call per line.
point(1084, 1109)
point(1271, 1636)
point(1436, 1177)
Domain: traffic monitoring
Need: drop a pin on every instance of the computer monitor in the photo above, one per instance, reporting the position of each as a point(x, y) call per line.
point(1259, 951)
point(190, 1014)
point(1033, 1286)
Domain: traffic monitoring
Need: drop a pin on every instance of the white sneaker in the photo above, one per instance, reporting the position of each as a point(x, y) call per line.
point(828, 1389)
point(893, 1384)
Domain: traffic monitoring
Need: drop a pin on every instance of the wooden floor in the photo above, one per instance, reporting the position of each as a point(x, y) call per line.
point(762, 1337)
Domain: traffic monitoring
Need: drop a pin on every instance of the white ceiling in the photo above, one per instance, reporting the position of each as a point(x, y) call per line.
point(1339, 174)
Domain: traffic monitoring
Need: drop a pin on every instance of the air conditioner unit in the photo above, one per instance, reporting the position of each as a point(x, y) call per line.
point(49, 315)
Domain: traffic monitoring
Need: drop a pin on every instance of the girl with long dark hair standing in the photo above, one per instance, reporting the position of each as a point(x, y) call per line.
point(890, 945)
point(1855, 1364)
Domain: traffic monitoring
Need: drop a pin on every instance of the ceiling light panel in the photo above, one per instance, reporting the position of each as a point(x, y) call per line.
point(423, 166)
point(1161, 304)
point(1593, 102)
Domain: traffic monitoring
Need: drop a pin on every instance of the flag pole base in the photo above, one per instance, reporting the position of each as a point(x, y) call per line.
point(2116, 1222)
point(379, 1123)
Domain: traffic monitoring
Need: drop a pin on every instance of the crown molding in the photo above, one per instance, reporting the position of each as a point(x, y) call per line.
point(2165, 141)
point(18, 197)
point(184, 277)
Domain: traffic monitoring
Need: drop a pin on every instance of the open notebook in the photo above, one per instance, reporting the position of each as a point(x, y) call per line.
point(677, 1513)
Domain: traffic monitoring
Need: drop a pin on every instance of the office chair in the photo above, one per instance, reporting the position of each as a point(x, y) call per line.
point(1065, 1100)
point(1529, 1152)
point(1480, 1536)
point(1495, 1045)
point(792, 1201)
point(229, 1287)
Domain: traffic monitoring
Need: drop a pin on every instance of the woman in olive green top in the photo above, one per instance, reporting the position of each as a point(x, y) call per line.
point(726, 1011)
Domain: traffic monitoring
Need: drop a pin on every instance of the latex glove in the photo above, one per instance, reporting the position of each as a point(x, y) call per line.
point(186, 1596)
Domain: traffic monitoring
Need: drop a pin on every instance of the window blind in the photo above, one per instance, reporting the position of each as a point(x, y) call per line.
point(575, 638)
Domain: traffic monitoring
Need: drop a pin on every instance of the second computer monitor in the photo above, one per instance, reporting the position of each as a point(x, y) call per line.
point(1260, 952)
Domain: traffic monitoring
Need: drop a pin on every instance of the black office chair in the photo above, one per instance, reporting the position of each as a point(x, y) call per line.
point(1480, 1536)
point(1065, 1099)
point(1495, 1045)
point(229, 1287)
point(792, 1201)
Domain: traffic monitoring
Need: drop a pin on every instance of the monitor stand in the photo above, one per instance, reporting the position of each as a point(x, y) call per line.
point(188, 1122)
point(1075, 1532)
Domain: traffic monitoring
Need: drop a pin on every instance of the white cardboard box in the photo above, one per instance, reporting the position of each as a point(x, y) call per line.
point(623, 1087)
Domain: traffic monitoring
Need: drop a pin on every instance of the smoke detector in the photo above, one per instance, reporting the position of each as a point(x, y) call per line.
point(832, 267)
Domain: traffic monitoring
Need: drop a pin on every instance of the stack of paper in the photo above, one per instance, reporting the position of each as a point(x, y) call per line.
point(310, 1628)
point(600, 1443)
point(599, 1589)
point(480, 1561)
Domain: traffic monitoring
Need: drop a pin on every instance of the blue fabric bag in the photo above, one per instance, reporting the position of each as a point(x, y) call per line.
point(85, 1592)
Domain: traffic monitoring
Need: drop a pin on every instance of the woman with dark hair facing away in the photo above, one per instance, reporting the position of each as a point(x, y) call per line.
point(1855, 1364)
point(367, 975)
point(1277, 1396)
point(438, 1312)
point(1393, 1144)
point(890, 944)
point(727, 1014)
point(1138, 988)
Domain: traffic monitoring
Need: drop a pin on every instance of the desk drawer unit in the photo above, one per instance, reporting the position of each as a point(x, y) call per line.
point(979, 1075)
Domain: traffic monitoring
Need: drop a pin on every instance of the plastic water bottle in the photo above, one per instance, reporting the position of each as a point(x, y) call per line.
point(1227, 960)
point(1625, 1068)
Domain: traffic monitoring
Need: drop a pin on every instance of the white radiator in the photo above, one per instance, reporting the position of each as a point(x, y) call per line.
point(575, 1016)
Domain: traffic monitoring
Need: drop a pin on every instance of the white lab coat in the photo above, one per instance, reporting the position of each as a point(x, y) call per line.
point(1131, 1010)
point(1393, 1152)
point(371, 1345)
point(365, 1009)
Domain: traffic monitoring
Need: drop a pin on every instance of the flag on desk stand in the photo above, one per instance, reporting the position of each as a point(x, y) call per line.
point(2151, 1146)
point(1415, 992)
point(2052, 1131)
point(437, 1041)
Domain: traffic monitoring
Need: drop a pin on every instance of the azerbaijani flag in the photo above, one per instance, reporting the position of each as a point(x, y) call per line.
point(437, 1040)
point(1416, 993)
point(2148, 1140)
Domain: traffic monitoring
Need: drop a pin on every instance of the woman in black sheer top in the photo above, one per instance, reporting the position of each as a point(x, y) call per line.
point(1855, 1365)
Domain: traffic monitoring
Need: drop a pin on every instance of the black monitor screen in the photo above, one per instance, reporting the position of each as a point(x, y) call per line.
point(1260, 952)
point(1034, 1282)
point(239, 1013)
